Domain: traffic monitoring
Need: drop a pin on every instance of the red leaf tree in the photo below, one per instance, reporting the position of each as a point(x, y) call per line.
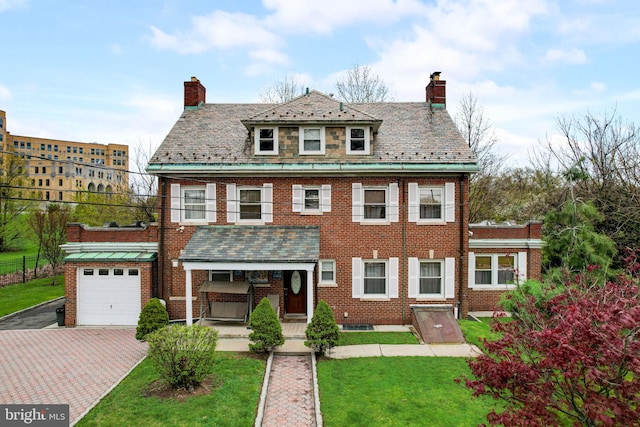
point(574, 360)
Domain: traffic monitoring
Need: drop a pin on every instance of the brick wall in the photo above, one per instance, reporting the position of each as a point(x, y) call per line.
point(82, 233)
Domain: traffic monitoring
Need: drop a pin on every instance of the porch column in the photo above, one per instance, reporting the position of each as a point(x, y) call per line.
point(309, 295)
point(188, 292)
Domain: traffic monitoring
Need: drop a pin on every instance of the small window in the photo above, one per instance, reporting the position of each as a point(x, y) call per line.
point(118, 272)
point(87, 271)
point(311, 140)
point(103, 272)
point(357, 140)
point(431, 277)
point(375, 278)
point(311, 200)
point(375, 203)
point(250, 204)
point(266, 140)
point(220, 276)
point(193, 204)
point(327, 271)
point(133, 272)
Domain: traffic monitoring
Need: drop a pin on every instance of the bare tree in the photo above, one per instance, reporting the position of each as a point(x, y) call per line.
point(143, 186)
point(360, 84)
point(480, 134)
point(50, 228)
point(282, 91)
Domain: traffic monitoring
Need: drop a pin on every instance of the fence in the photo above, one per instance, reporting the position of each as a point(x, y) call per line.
point(22, 270)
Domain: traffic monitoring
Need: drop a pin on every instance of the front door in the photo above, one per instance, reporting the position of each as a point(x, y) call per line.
point(295, 292)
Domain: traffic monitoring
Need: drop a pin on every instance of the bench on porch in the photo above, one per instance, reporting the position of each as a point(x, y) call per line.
point(226, 310)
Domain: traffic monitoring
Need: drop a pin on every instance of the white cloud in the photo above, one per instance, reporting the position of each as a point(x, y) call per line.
point(572, 56)
point(5, 93)
point(12, 4)
point(312, 16)
point(218, 30)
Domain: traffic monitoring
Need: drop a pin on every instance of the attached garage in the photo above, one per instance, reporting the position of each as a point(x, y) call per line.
point(108, 296)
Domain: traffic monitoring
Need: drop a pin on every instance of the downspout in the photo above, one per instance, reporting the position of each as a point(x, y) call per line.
point(161, 256)
point(462, 249)
point(403, 220)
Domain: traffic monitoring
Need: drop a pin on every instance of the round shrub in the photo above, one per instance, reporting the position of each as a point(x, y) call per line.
point(153, 316)
point(266, 330)
point(323, 332)
point(183, 355)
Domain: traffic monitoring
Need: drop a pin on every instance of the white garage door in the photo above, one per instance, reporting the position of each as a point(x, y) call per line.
point(108, 296)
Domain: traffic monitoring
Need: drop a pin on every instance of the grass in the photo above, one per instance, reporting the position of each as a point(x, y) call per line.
point(233, 400)
point(355, 338)
point(23, 295)
point(398, 391)
point(475, 332)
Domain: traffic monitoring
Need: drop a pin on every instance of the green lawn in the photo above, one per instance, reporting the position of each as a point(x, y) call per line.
point(474, 332)
point(398, 391)
point(233, 400)
point(23, 295)
point(354, 338)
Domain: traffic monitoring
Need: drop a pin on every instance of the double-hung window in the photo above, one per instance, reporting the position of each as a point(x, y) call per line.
point(431, 278)
point(193, 204)
point(374, 204)
point(312, 140)
point(249, 203)
point(496, 269)
point(358, 140)
point(374, 278)
point(266, 140)
point(431, 203)
point(327, 272)
point(311, 199)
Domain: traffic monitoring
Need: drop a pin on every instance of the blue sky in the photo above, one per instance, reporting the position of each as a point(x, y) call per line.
point(113, 71)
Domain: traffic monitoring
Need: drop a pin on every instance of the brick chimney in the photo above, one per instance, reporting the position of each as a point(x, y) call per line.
point(436, 91)
point(194, 93)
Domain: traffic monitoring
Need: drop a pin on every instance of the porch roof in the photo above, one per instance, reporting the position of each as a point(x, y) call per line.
point(111, 256)
point(253, 244)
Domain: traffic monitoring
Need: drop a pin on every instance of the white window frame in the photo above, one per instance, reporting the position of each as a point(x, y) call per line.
point(256, 137)
point(178, 207)
point(367, 142)
point(266, 203)
point(441, 278)
point(358, 207)
point(519, 267)
point(448, 213)
point(298, 193)
point(391, 279)
point(259, 203)
point(321, 264)
point(447, 279)
point(302, 139)
point(186, 207)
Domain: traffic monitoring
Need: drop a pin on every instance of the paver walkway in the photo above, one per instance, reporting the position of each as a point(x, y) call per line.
point(65, 366)
point(290, 400)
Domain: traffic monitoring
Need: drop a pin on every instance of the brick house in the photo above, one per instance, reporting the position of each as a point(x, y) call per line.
point(360, 205)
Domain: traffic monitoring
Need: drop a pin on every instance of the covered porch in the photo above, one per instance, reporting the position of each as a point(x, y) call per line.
point(259, 261)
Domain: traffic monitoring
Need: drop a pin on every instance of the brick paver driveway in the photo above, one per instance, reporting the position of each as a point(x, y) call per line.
point(73, 366)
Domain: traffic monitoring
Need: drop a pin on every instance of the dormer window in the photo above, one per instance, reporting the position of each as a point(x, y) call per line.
point(266, 140)
point(312, 140)
point(358, 140)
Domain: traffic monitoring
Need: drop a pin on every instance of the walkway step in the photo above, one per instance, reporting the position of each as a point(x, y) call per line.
point(290, 395)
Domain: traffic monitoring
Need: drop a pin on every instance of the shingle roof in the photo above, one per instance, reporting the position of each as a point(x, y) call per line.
point(253, 244)
point(216, 135)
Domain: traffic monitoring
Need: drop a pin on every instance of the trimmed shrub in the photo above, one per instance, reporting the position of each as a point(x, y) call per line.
point(153, 316)
point(183, 355)
point(266, 330)
point(323, 332)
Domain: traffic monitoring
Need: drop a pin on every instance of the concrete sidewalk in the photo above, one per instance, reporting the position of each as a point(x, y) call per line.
point(297, 347)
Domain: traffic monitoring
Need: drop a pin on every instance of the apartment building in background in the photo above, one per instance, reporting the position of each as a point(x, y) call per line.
point(58, 169)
